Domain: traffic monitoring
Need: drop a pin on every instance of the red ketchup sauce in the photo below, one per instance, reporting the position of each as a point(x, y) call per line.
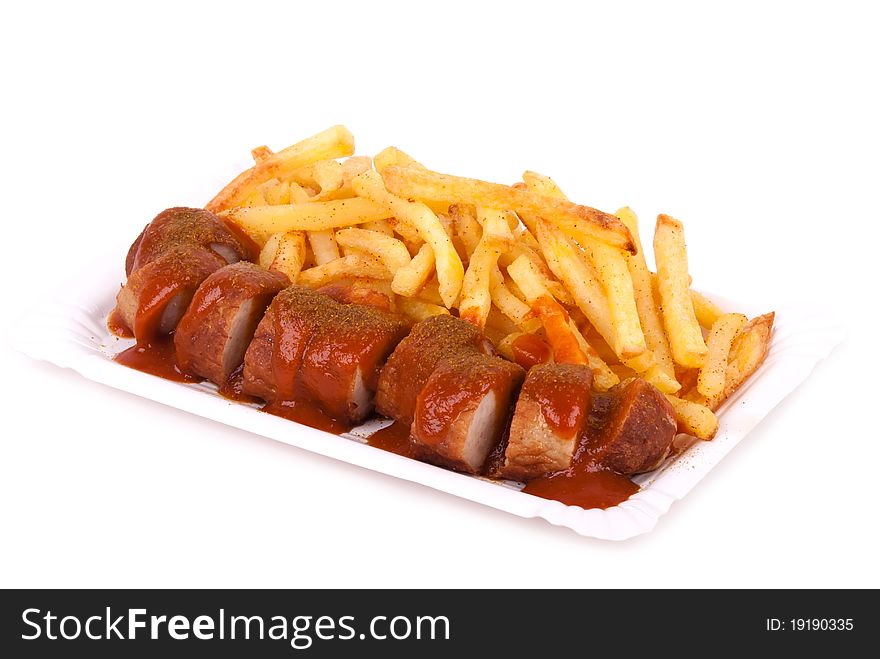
point(581, 485)
point(394, 439)
point(530, 350)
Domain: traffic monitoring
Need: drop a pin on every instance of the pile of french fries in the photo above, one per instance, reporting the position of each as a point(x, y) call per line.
point(512, 260)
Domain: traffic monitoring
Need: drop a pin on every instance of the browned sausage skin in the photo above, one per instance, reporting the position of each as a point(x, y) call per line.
point(310, 347)
point(631, 429)
point(551, 414)
point(156, 296)
point(194, 227)
point(213, 335)
point(462, 411)
point(413, 361)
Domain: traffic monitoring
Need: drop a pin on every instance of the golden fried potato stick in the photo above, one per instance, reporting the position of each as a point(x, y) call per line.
point(415, 183)
point(747, 353)
point(554, 318)
point(353, 265)
point(603, 376)
point(260, 153)
point(566, 262)
point(706, 311)
point(710, 381)
point(610, 267)
point(649, 315)
point(411, 278)
point(417, 310)
point(382, 226)
point(334, 142)
point(394, 156)
point(260, 222)
point(324, 246)
point(505, 345)
point(450, 271)
point(389, 251)
point(476, 298)
point(556, 288)
point(325, 175)
point(285, 253)
point(694, 418)
point(510, 305)
point(466, 226)
point(351, 167)
point(685, 337)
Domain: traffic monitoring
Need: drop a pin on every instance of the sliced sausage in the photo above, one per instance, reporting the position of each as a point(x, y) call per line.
point(415, 358)
point(631, 428)
point(341, 364)
point(462, 411)
point(213, 335)
point(193, 227)
point(550, 415)
point(156, 296)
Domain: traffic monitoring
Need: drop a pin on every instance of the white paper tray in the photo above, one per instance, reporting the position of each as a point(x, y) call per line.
point(71, 333)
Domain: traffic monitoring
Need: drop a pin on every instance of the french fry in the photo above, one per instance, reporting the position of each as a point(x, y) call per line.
point(255, 198)
point(325, 175)
point(280, 195)
point(410, 278)
point(417, 310)
point(510, 305)
point(334, 142)
point(556, 288)
point(324, 246)
point(554, 318)
point(394, 156)
point(610, 266)
point(567, 264)
point(694, 418)
point(466, 226)
point(346, 266)
point(298, 194)
point(649, 315)
point(664, 382)
point(706, 311)
point(382, 226)
point(416, 183)
point(450, 271)
point(260, 222)
point(389, 251)
point(285, 253)
point(476, 298)
point(710, 382)
point(351, 167)
point(260, 153)
point(536, 263)
point(603, 377)
point(685, 337)
point(747, 353)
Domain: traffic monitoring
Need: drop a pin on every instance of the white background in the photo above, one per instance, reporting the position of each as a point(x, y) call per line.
point(757, 126)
